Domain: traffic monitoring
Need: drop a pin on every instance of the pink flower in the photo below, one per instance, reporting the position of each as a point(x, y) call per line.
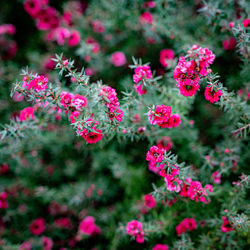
point(185, 72)
point(60, 34)
point(146, 18)
point(66, 99)
point(94, 137)
point(37, 227)
point(196, 192)
point(32, 7)
point(47, 243)
point(160, 115)
point(246, 22)
point(149, 4)
point(166, 55)
point(73, 116)
point(7, 29)
point(4, 168)
point(212, 95)
point(189, 72)
point(140, 89)
point(206, 57)
point(48, 63)
point(152, 167)
point(173, 122)
point(89, 71)
point(94, 43)
point(216, 177)
point(149, 201)
point(91, 136)
point(209, 188)
point(180, 229)
point(165, 143)
point(79, 102)
point(47, 18)
point(188, 89)
point(26, 114)
point(134, 228)
point(17, 97)
point(160, 247)
point(226, 226)
point(116, 113)
point(142, 72)
point(88, 226)
point(118, 58)
point(74, 38)
point(190, 224)
point(185, 186)
point(3, 200)
point(155, 154)
point(110, 94)
point(172, 180)
point(229, 44)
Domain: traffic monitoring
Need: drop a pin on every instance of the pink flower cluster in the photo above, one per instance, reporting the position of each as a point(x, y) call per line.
point(75, 104)
point(188, 224)
point(26, 114)
point(134, 228)
point(195, 191)
point(47, 18)
point(38, 83)
point(141, 74)
point(164, 143)
point(226, 226)
point(212, 94)
point(163, 118)
point(166, 55)
point(190, 70)
point(187, 188)
point(88, 227)
point(172, 180)
point(3, 200)
point(109, 97)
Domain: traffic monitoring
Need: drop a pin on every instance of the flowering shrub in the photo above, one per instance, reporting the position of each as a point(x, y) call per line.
point(129, 127)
